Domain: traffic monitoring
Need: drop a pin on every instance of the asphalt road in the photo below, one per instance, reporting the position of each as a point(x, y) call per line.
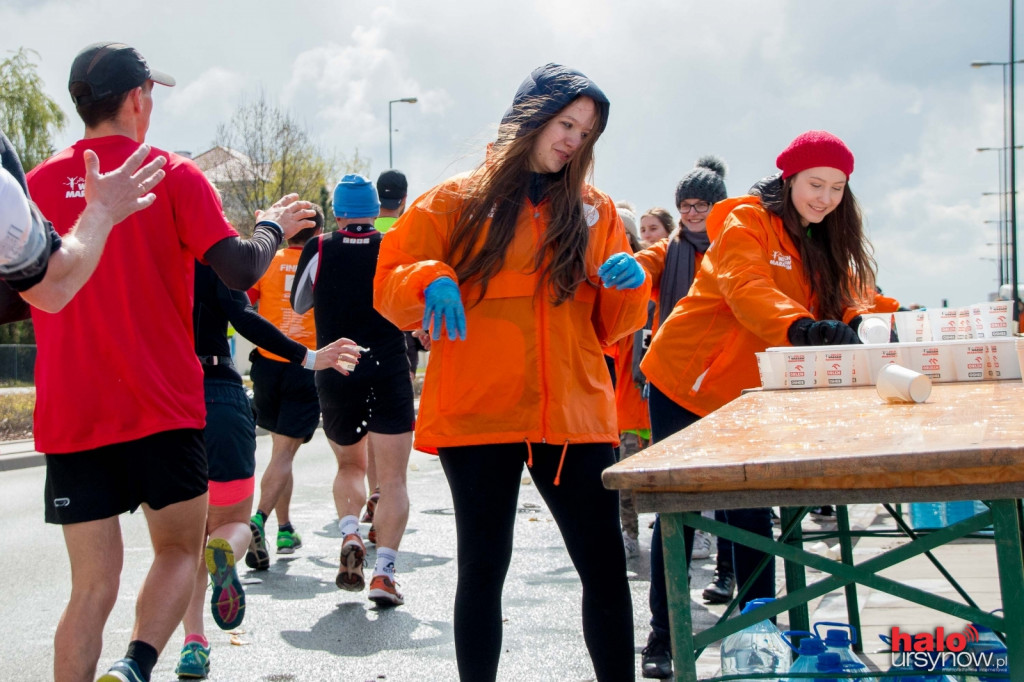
point(298, 625)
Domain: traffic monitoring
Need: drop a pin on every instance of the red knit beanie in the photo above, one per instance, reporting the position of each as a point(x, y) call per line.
point(813, 149)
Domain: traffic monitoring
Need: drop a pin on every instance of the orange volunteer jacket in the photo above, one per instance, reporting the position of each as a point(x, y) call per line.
point(273, 292)
point(653, 259)
point(750, 288)
point(528, 370)
point(630, 405)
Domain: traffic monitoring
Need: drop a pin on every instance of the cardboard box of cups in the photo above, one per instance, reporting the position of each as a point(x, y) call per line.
point(974, 343)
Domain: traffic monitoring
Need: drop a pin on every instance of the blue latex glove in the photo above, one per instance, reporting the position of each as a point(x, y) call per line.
point(444, 306)
point(621, 271)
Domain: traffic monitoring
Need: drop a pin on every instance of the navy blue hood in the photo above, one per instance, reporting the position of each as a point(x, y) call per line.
point(555, 86)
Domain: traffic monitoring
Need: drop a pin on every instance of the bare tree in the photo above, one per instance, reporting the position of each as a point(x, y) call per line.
point(262, 154)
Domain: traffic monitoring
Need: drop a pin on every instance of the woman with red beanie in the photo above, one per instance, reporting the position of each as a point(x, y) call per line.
point(788, 265)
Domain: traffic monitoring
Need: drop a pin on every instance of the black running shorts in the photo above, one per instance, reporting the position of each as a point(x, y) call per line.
point(285, 398)
point(376, 397)
point(157, 470)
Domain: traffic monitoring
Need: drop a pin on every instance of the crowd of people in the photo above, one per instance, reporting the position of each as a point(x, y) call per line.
point(614, 332)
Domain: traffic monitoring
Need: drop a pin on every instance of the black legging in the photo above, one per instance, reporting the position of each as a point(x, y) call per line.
point(485, 481)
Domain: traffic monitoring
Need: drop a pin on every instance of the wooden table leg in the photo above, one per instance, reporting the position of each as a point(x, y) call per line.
point(678, 589)
point(1006, 521)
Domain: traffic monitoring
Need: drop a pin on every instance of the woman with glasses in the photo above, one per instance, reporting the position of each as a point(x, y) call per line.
point(673, 262)
point(789, 265)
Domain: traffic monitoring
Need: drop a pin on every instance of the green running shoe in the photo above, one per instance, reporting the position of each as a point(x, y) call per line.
point(257, 557)
point(288, 541)
point(193, 662)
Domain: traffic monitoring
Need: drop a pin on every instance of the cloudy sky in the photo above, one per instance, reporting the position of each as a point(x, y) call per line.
point(737, 78)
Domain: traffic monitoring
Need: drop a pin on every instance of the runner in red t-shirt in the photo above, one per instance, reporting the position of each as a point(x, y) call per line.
point(119, 389)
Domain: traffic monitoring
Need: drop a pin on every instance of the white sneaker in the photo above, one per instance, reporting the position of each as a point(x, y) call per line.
point(701, 545)
point(631, 546)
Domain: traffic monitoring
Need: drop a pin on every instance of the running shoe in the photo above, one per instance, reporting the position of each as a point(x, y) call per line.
point(372, 535)
point(656, 659)
point(823, 514)
point(350, 575)
point(288, 541)
point(228, 600)
point(193, 662)
point(384, 591)
point(371, 506)
point(721, 587)
point(123, 670)
point(257, 558)
point(701, 545)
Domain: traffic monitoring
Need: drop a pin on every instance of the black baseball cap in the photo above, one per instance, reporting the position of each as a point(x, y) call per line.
point(392, 188)
point(110, 69)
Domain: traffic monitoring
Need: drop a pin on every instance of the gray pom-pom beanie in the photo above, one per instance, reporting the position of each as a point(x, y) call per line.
point(706, 181)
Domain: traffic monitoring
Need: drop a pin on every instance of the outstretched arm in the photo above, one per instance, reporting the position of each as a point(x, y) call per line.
point(110, 198)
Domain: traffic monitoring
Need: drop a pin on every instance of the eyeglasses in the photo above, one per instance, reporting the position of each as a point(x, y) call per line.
point(699, 207)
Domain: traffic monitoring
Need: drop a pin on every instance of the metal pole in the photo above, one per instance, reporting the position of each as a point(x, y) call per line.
point(391, 163)
point(1013, 171)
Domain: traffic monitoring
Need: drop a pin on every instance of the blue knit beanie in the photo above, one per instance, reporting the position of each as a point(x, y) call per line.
point(355, 197)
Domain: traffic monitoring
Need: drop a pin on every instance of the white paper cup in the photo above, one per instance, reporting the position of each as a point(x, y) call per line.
point(1002, 359)
point(837, 367)
point(970, 359)
point(964, 324)
point(912, 325)
point(875, 328)
point(879, 357)
point(932, 359)
point(899, 384)
point(992, 320)
point(800, 369)
point(942, 322)
point(772, 367)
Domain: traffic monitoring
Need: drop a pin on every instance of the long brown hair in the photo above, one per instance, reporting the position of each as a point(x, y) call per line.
point(498, 191)
point(838, 258)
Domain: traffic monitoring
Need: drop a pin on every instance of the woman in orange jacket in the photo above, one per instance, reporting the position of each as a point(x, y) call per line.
point(787, 266)
point(526, 267)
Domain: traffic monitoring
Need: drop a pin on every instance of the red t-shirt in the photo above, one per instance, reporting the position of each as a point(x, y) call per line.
point(117, 363)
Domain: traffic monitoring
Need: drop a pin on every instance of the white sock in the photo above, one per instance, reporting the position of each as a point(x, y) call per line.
point(385, 565)
point(348, 524)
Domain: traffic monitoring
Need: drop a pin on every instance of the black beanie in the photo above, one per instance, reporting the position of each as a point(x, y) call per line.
point(556, 86)
point(706, 181)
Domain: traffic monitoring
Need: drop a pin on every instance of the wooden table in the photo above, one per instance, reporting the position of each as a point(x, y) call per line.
point(796, 448)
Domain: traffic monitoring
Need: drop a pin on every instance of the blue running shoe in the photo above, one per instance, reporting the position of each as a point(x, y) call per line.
point(193, 662)
point(124, 670)
point(227, 603)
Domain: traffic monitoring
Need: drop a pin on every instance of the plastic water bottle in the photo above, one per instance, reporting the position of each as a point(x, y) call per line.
point(988, 655)
point(807, 654)
point(757, 648)
point(832, 662)
point(837, 641)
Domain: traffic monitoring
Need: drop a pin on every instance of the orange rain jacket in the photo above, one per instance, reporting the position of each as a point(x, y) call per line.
point(528, 370)
point(750, 288)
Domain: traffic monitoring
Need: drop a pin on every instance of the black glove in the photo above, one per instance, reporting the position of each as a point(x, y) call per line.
point(807, 332)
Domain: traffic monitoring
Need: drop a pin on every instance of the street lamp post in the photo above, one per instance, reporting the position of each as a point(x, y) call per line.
point(407, 100)
point(1004, 201)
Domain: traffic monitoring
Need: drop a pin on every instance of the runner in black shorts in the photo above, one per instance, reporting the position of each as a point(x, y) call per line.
point(285, 397)
point(376, 400)
point(157, 470)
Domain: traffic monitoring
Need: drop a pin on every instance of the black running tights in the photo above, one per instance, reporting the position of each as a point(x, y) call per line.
point(484, 481)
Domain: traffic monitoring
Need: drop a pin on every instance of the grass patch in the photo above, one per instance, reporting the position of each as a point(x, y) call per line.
point(16, 415)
